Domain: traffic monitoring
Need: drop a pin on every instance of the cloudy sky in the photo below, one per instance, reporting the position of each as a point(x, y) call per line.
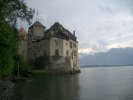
point(99, 24)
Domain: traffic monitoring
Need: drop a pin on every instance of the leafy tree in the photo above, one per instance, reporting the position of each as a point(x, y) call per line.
point(23, 68)
point(10, 11)
point(6, 48)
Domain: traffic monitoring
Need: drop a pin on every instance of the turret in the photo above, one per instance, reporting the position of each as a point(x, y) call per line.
point(23, 45)
point(74, 32)
point(22, 34)
point(37, 30)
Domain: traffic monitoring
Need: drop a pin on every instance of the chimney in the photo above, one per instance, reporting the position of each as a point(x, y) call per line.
point(74, 32)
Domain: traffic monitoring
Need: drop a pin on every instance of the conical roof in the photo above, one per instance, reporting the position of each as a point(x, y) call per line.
point(22, 32)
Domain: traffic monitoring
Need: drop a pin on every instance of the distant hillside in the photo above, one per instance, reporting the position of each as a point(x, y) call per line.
point(117, 56)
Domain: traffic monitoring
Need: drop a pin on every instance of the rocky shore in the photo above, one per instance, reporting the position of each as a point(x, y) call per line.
point(55, 72)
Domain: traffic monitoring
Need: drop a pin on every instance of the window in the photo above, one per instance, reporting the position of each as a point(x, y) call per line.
point(67, 53)
point(44, 52)
point(57, 43)
point(74, 45)
point(75, 53)
point(70, 44)
point(72, 55)
point(56, 52)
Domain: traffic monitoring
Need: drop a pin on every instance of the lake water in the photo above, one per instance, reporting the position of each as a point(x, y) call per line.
point(94, 83)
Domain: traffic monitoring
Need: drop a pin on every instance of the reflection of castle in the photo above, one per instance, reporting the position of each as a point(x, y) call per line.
point(64, 87)
point(55, 48)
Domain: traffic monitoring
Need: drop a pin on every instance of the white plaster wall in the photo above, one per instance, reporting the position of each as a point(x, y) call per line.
point(54, 46)
point(65, 48)
point(74, 60)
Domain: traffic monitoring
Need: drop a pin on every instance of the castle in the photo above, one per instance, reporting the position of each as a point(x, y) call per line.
point(54, 49)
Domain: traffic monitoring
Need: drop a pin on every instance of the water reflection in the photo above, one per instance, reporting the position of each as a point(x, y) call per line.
point(42, 87)
point(101, 83)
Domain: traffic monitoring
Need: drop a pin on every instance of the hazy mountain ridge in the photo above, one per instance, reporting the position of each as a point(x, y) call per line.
point(116, 56)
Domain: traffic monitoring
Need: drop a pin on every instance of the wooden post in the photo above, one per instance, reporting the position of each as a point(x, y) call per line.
point(18, 69)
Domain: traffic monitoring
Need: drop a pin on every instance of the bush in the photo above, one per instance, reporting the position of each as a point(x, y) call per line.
point(20, 66)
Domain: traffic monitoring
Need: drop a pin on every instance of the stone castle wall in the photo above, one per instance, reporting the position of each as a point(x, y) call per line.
point(52, 52)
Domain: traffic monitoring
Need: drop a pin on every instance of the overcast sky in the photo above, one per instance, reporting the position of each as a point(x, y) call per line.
point(99, 24)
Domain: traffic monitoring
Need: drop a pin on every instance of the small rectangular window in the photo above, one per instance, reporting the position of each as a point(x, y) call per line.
point(72, 55)
point(67, 53)
point(74, 45)
point(70, 44)
point(56, 43)
point(44, 52)
point(75, 53)
point(56, 52)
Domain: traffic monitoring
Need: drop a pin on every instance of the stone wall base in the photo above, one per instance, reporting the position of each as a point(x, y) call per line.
point(55, 64)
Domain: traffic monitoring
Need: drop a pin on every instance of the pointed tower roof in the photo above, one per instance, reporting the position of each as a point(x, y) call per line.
point(22, 32)
point(37, 23)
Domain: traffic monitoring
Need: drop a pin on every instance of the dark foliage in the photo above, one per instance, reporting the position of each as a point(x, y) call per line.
point(10, 11)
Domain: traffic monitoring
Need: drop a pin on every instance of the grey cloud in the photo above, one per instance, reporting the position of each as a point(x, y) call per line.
point(106, 9)
point(100, 45)
point(95, 21)
point(103, 42)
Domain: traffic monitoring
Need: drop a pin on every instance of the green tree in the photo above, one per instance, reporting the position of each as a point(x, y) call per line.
point(6, 48)
point(10, 11)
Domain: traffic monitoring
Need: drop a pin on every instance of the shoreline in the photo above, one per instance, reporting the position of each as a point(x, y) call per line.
point(54, 72)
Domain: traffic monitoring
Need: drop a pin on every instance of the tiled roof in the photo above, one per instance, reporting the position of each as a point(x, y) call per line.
point(37, 23)
point(60, 31)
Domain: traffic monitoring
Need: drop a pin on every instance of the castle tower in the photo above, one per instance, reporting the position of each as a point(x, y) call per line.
point(37, 30)
point(63, 49)
point(23, 43)
point(55, 49)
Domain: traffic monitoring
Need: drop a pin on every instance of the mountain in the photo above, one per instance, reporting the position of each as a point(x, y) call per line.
point(115, 56)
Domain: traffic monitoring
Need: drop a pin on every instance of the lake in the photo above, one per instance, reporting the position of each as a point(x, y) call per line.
point(93, 83)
